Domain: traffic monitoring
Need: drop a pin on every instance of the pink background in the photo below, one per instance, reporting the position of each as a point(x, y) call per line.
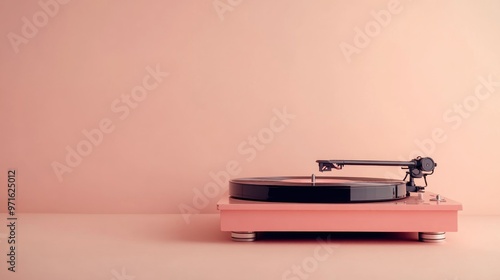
point(228, 74)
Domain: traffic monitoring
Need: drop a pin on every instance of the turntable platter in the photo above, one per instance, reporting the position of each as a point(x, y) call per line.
point(317, 189)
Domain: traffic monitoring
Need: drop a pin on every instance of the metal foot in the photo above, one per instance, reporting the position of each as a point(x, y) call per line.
point(244, 236)
point(434, 237)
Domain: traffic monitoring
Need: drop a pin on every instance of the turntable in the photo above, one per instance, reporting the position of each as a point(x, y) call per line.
point(346, 204)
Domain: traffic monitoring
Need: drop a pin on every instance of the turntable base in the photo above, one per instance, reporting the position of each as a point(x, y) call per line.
point(417, 213)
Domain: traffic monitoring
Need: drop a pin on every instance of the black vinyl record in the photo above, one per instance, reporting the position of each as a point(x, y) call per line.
point(317, 189)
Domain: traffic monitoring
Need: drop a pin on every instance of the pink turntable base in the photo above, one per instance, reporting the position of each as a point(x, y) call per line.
point(420, 213)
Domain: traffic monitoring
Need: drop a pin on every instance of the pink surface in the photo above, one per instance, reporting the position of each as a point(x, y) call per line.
point(165, 100)
point(411, 203)
point(147, 247)
point(407, 215)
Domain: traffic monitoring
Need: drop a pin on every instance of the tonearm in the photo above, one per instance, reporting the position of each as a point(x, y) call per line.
point(419, 167)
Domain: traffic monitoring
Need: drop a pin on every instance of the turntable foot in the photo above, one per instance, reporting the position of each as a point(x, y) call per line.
point(243, 236)
point(433, 237)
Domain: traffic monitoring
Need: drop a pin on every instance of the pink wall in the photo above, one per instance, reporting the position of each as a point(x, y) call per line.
point(178, 89)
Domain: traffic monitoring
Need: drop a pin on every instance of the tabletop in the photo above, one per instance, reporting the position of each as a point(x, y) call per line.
point(163, 246)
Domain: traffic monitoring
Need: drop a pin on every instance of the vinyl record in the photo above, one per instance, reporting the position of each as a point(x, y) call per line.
point(317, 189)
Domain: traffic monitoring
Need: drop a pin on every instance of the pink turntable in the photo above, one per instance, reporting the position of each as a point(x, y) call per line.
point(348, 204)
